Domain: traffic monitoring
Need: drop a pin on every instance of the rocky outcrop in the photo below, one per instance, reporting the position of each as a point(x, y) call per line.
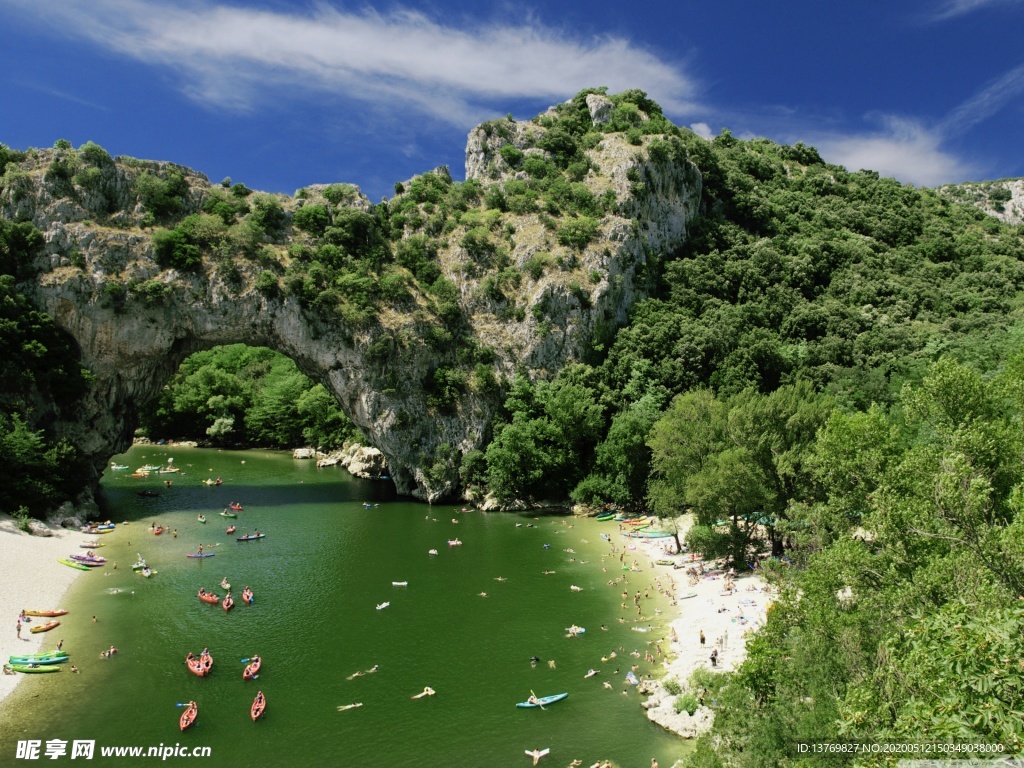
point(661, 709)
point(360, 460)
point(1003, 199)
point(135, 322)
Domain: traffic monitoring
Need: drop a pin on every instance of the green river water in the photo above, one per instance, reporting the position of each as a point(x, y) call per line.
point(318, 576)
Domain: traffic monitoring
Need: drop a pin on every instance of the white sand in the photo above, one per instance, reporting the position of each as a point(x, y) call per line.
point(33, 580)
point(725, 619)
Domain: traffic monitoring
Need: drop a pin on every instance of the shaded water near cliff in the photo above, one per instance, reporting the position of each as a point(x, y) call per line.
point(325, 565)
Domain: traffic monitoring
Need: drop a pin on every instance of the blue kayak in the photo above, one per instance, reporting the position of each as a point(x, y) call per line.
point(201, 554)
point(542, 701)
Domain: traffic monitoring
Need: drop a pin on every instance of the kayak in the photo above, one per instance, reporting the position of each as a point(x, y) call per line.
point(88, 559)
point(51, 614)
point(247, 596)
point(73, 564)
point(638, 534)
point(235, 506)
point(228, 603)
point(230, 529)
point(227, 514)
point(92, 545)
point(201, 665)
point(252, 669)
point(201, 554)
point(574, 630)
point(189, 715)
point(542, 701)
point(39, 659)
point(25, 668)
point(208, 597)
point(45, 627)
point(249, 537)
point(201, 518)
point(158, 530)
point(258, 705)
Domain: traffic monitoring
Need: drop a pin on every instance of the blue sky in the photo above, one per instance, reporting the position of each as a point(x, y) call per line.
point(279, 94)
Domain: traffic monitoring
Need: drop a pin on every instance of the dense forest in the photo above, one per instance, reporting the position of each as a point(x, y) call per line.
point(246, 396)
point(829, 375)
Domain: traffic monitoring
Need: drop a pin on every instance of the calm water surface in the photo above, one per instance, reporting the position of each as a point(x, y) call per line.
point(325, 565)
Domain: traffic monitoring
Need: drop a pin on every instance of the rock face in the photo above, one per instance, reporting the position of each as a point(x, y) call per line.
point(661, 710)
point(1002, 199)
point(135, 322)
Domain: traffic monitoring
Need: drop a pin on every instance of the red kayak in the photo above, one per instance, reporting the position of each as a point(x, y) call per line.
point(234, 506)
point(231, 529)
point(228, 603)
point(189, 715)
point(258, 705)
point(208, 597)
point(247, 596)
point(252, 668)
point(158, 530)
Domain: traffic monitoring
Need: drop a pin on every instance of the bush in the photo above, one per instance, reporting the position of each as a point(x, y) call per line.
point(174, 250)
point(266, 283)
point(312, 219)
point(687, 703)
point(672, 686)
point(578, 232)
point(512, 156)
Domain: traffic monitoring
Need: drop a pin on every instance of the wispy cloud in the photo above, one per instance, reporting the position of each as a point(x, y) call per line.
point(240, 58)
point(914, 151)
point(952, 8)
point(902, 148)
point(984, 104)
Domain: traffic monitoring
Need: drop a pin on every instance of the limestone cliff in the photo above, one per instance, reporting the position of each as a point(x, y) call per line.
point(532, 292)
point(1003, 199)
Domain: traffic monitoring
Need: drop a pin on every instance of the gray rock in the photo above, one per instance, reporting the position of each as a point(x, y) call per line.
point(600, 108)
point(375, 372)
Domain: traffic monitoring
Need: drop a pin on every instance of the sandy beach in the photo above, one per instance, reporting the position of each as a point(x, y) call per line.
point(32, 580)
point(703, 607)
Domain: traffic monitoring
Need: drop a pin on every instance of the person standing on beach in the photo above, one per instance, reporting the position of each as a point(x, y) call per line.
point(702, 638)
point(19, 628)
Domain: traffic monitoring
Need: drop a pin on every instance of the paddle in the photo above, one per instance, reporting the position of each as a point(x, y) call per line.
point(538, 699)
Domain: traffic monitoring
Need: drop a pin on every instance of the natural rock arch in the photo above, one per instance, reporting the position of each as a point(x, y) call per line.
point(97, 237)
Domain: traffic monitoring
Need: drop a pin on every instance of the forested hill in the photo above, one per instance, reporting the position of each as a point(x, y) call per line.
point(796, 271)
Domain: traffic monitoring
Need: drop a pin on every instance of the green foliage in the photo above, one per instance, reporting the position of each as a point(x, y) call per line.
point(511, 155)
point(249, 395)
point(336, 194)
point(162, 194)
point(578, 232)
point(176, 249)
point(313, 219)
point(686, 702)
point(20, 243)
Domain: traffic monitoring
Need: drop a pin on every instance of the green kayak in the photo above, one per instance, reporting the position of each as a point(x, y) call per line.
point(73, 564)
point(59, 658)
point(32, 670)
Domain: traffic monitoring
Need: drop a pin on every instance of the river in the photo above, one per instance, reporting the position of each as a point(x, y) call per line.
point(466, 625)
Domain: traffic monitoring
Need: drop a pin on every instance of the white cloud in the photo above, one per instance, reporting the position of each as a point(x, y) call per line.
point(904, 149)
point(703, 130)
point(952, 8)
point(982, 105)
point(239, 58)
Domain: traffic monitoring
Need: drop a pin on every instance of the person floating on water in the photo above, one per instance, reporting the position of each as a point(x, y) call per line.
point(428, 691)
